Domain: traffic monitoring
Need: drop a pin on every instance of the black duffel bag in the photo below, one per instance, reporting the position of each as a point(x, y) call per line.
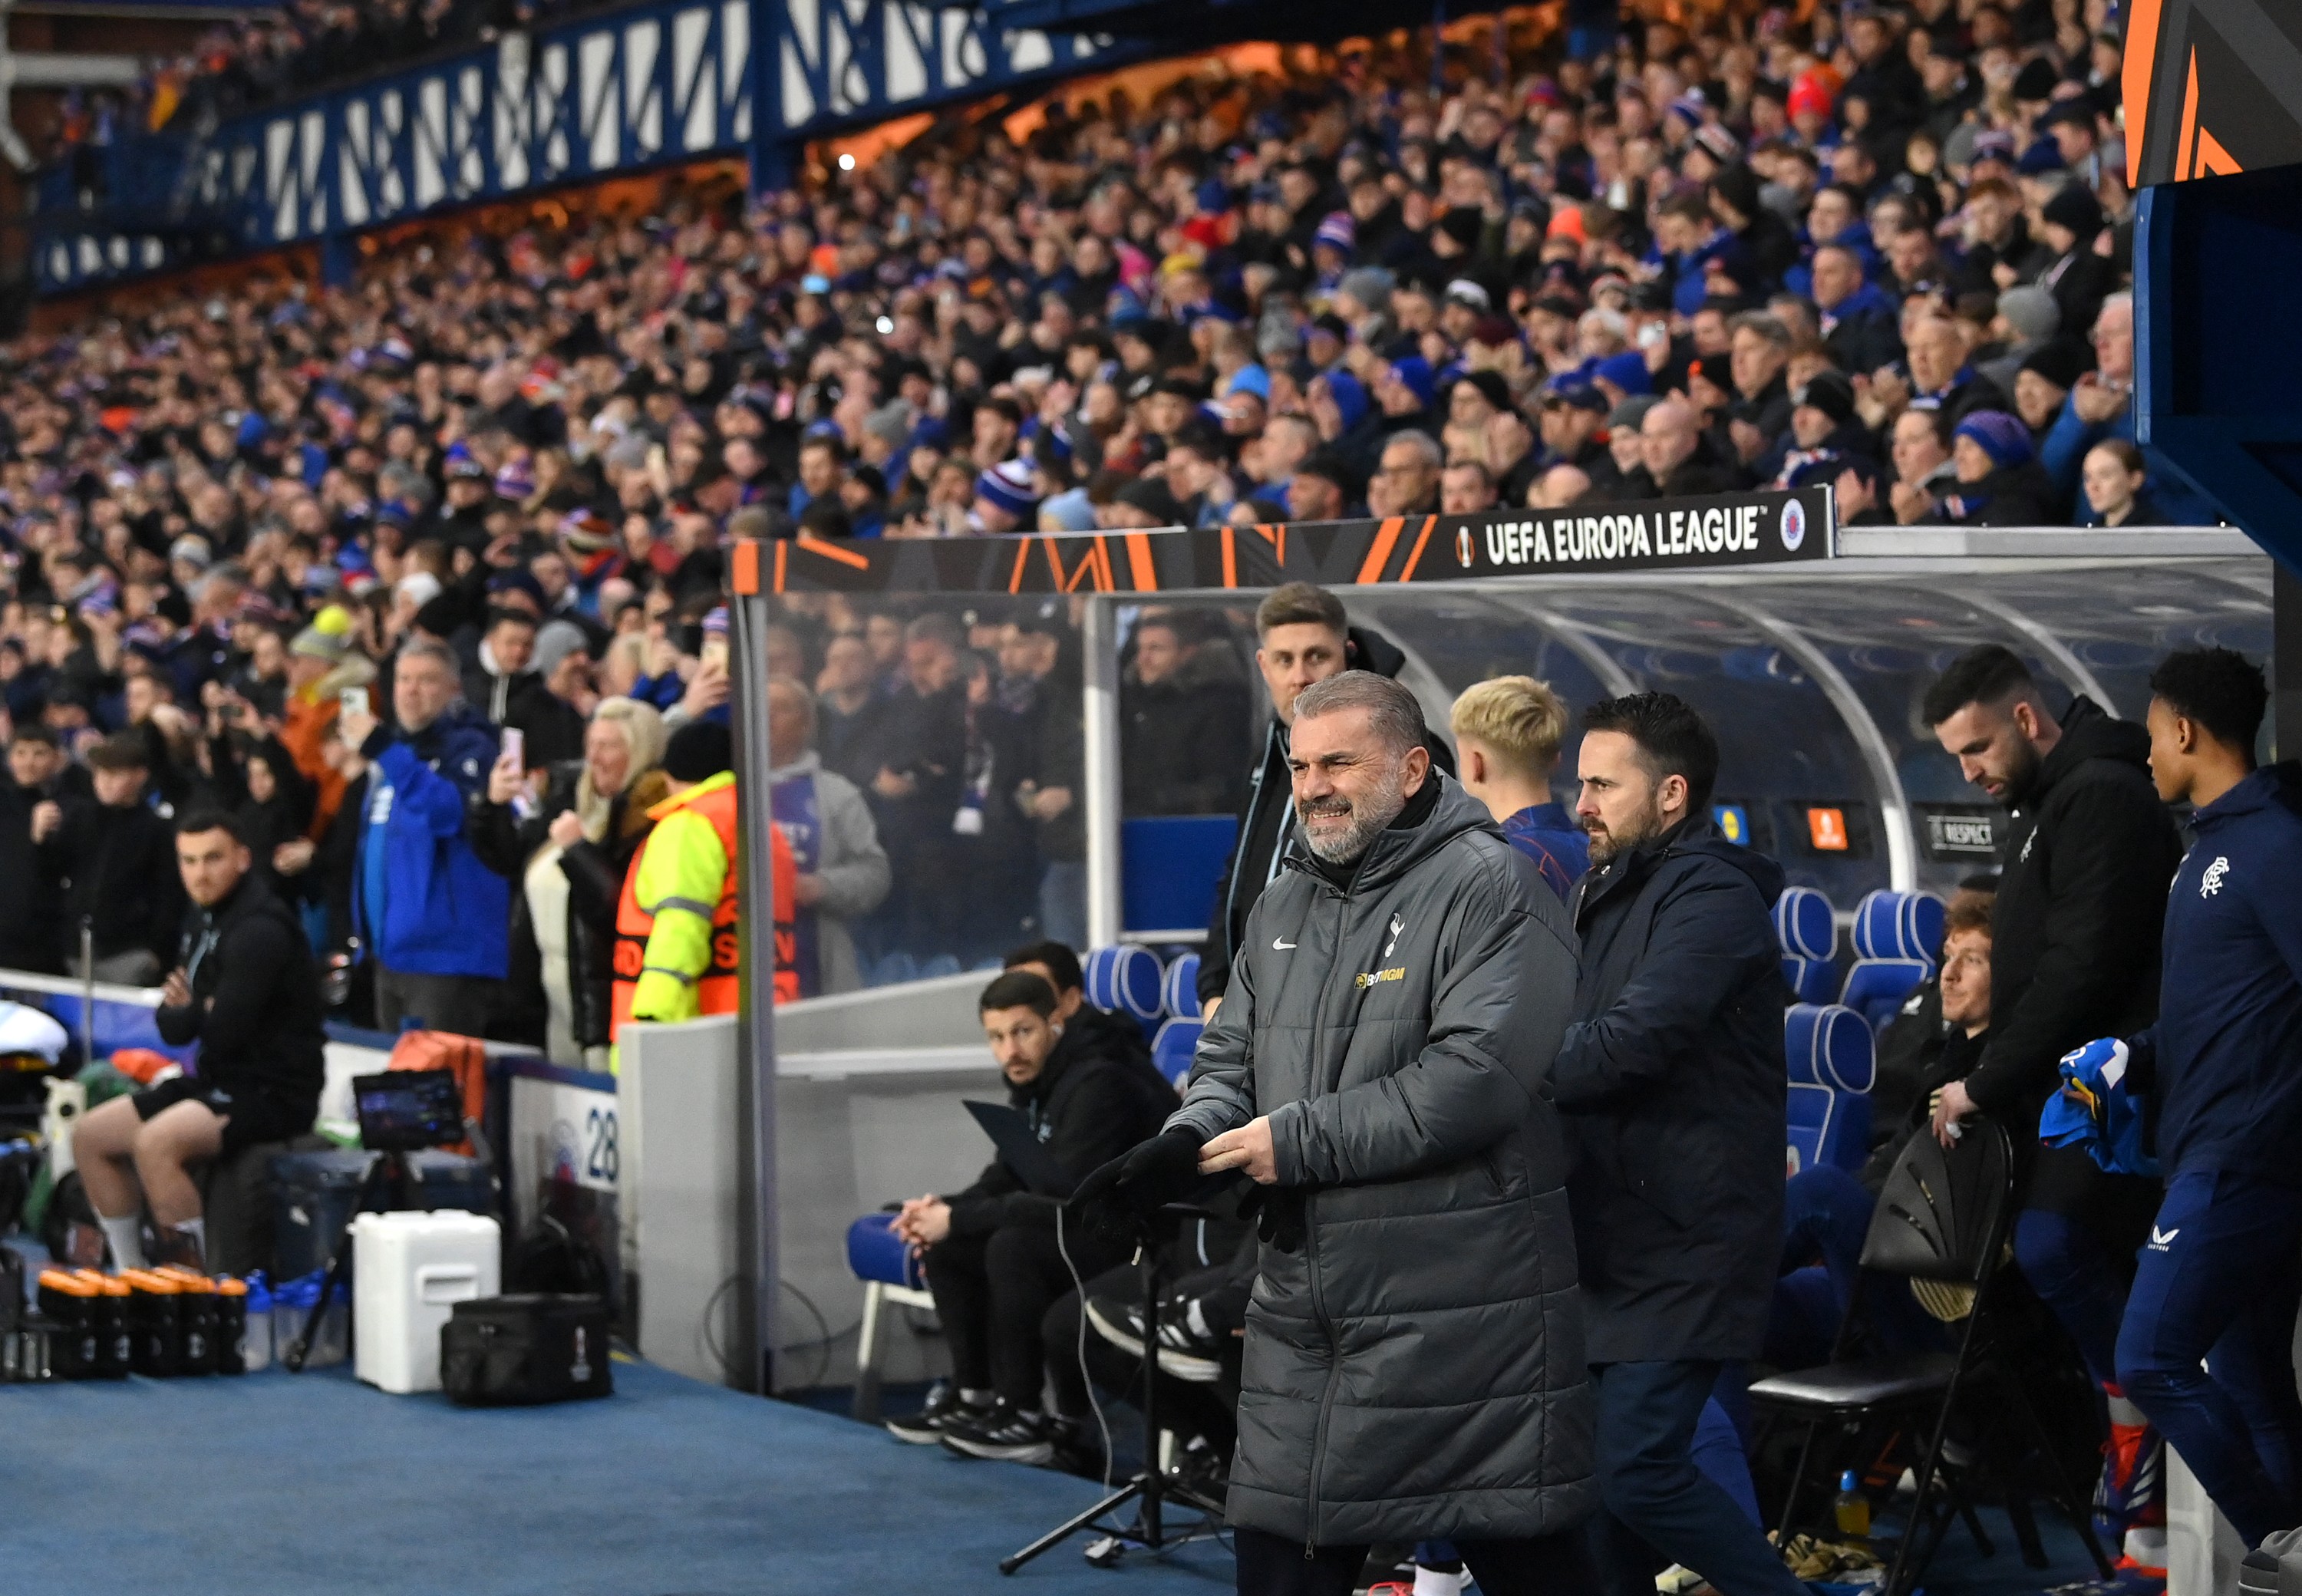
point(515, 1351)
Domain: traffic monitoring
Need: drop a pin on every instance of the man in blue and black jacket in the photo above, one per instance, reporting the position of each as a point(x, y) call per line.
point(435, 918)
point(2220, 1281)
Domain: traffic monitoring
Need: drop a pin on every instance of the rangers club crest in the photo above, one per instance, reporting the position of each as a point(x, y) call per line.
point(1793, 525)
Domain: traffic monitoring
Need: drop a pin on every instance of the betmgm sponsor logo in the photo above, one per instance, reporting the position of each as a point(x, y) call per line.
point(1629, 535)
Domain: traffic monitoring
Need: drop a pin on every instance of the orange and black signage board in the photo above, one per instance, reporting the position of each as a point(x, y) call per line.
point(1659, 534)
point(2211, 86)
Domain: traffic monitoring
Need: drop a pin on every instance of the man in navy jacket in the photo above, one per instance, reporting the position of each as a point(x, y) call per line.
point(1670, 1085)
point(2221, 1278)
point(435, 918)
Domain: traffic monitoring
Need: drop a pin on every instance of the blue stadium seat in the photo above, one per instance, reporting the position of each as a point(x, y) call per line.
point(1175, 1046)
point(1808, 930)
point(1832, 1066)
point(875, 1253)
point(1877, 988)
point(1178, 992)
point(1126, 981)
point(1899, 925)
point(1810, 979)
point(1897, 944)
point(890, 1274)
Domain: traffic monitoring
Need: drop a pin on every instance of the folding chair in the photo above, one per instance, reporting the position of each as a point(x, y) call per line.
point(1940, 1232)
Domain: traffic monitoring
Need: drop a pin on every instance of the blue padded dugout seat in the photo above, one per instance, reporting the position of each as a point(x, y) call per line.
point(1126, 981)
point(1808, 930)
point(876, 1253)
point(1180, 990)
point(1828, 1048)
point(1175, 1046)
point(1898, 945)
point(890, 1274)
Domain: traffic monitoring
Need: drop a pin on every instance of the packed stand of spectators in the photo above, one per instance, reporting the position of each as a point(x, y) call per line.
point(957, 739)
point(1883, 251)
point(260, 57)
point(1885, 247)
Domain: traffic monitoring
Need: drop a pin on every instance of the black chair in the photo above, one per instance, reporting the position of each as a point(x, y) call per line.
point(1940, 1232)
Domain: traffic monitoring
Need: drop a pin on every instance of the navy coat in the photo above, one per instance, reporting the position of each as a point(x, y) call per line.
point(2229, 1037)
point(1671, 1082)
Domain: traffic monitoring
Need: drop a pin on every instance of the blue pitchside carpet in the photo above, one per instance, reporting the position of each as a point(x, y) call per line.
point(315, 1486)
point(273, 1484)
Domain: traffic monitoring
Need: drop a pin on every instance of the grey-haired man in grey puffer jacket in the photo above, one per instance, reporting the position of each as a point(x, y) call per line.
point(1413, 1358)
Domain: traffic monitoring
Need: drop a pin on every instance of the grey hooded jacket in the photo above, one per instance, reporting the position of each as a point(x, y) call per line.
point(1417, 1368)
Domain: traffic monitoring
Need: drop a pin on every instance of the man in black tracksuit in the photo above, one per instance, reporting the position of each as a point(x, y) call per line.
point(1670, 1082)
point(2075, 938)
point(994, 1259)
point(247, 991)
point(2206, 1347)
point(1302, 636)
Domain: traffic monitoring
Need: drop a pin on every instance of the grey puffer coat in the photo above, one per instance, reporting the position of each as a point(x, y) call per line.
point(1417, 1368)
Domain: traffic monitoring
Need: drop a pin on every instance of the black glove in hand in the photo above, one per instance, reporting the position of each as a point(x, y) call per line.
point(1116, 1197)
point(1280, 1214)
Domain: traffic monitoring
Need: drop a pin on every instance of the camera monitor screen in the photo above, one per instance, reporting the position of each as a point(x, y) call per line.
point(403, 1110)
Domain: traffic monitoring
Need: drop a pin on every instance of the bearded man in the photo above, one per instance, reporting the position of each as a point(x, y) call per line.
point(1414, 1363)
point(1671, 1082)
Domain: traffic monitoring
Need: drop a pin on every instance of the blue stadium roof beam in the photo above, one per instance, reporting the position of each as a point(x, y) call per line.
point(847, 62)
point(611, 94)
point(1225, 21)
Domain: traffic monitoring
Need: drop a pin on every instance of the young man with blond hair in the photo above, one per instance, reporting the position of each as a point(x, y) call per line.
point(1507, 735)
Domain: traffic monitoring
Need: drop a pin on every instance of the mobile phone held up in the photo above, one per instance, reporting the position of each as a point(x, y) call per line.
point(514, 749)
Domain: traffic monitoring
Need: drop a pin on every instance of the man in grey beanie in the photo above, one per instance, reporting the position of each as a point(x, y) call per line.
point(1363, 298)
point(2029, 320)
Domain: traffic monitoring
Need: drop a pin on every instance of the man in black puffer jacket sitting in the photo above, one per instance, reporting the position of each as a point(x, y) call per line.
point(994, 1261)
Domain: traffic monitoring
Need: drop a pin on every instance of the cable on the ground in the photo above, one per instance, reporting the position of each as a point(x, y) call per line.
point(1078, 1288)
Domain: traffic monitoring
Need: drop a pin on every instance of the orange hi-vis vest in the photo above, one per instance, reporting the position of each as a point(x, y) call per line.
point(716, 985)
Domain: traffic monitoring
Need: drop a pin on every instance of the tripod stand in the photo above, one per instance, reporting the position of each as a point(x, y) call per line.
point(1151, 1488)
point(383, 1189)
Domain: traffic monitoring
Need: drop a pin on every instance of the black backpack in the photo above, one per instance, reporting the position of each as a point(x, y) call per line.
point(552, 1260)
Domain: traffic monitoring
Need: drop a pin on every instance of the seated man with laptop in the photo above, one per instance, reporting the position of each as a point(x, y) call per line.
point(994, 1259)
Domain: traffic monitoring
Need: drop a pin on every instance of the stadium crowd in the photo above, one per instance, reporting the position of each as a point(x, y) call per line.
point(261, 56)
point(421, 580)
point(1883, 249)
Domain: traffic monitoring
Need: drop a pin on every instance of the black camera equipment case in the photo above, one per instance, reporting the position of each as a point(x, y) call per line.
point(507, 1351)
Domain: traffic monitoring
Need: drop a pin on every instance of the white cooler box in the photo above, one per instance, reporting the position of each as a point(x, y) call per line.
point(408, 1272)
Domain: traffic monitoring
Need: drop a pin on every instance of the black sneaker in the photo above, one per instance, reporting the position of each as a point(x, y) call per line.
point(1202, 1468)
point(1079, 1449)
point(1184, 1353)
point(925, 1427)
point(1005, 1435)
